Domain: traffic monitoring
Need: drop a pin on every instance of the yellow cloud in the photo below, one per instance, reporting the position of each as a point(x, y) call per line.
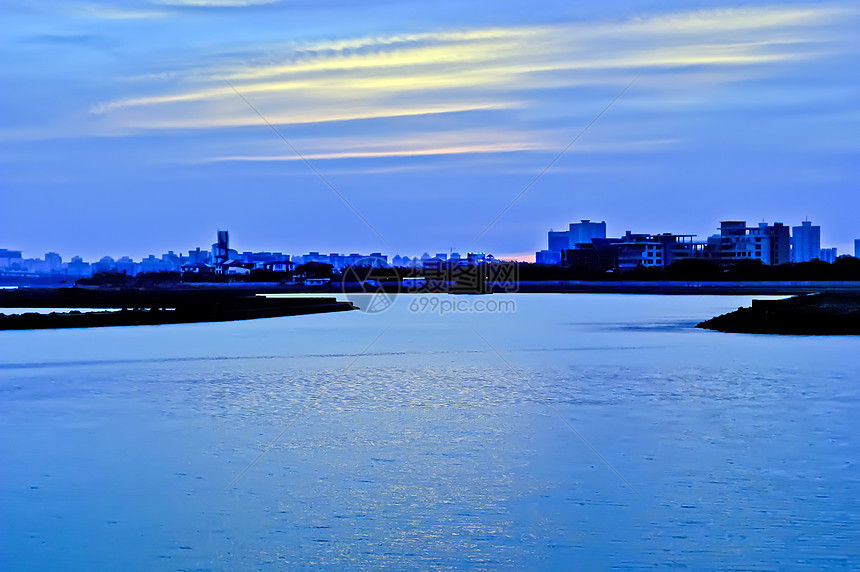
point(450, 71)
point(248, 117)
point(215, 3)
point(454, 150)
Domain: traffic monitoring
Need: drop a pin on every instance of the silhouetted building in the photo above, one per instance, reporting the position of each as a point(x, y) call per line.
point(221, 248)
point(148, 264)
point(105, 264)
point(549, 256)
point(828, 255)
point(805, 242)
point(600, 255)
point(769, 244)
point(558, 240)
point(78, 268)
point(53, 262)
point(772, 244)
point(584, 231)
point(10, 257)
point(126, 265)
point(654, 250)
point(578, 233)
point(197, 258)
point(171, 262)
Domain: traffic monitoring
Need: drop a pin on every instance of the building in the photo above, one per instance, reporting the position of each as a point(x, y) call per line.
point(828, 255)
point(171, 262)
point(549, 256)
point(601, 255)
point(105, 264)
point(769, 244)
point(10, 257)
point(558, 241)
point(651, 250)
point(579, 235)
point(221, 248)
point(584, 231)
point(857, 247)
point(54, 262)
point(805, 242)
point(341, 261)
point(148, 264)
point(126, 265)
point(772, 244)
point(197, 258)
point(283, 265)
point(78, 268)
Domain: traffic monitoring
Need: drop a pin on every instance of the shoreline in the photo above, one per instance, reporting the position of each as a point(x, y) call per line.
point(95, 297)
point(140, 308)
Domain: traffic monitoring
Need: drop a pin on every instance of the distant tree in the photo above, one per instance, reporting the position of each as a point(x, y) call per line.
point(157, 278)
point(748, 270)
point(642, 273)
point(693, 269)
point(263, 275)
point(315, 270)
point(846, 268)
point(110, 279)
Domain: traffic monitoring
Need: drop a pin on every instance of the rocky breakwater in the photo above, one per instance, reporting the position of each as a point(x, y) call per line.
point(813, 314)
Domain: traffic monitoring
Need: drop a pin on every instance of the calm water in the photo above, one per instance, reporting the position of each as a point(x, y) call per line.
point(587, 431)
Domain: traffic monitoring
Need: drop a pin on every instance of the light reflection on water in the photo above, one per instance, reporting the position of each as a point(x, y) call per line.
point(428, 451)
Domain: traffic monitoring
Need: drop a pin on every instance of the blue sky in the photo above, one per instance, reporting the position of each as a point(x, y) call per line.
point(121, 135)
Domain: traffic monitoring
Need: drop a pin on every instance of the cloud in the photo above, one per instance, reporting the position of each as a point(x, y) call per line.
point(246, 117)
point(103, 12)
point(458, 142)
point(454, 150)
point(215, 3)
point(467, 71)
point(84, 40)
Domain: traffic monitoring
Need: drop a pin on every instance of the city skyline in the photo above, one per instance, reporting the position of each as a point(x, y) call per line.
point(137, 127)
point(801, 248)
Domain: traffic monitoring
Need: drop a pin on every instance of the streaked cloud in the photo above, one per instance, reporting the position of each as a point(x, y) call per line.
point(241, 116)
point(456, 150)
point(454, 143)
point(215, 3)
point(108, 12)
point(447, 64)
point(464, 71)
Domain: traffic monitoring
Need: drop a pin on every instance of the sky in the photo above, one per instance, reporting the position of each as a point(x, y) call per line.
point(137, 127)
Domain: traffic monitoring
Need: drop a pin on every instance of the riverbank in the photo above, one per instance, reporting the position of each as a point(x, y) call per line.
point(136, 308)
point(204, 289)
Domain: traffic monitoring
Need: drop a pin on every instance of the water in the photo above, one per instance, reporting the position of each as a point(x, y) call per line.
point(580, 431)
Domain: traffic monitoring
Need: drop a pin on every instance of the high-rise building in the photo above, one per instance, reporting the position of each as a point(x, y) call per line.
point(53, 261)
point(857, 247)
point(221, 249)
point(578, 233)
point(583, 231)
point(558, 240)
point(805, 242)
